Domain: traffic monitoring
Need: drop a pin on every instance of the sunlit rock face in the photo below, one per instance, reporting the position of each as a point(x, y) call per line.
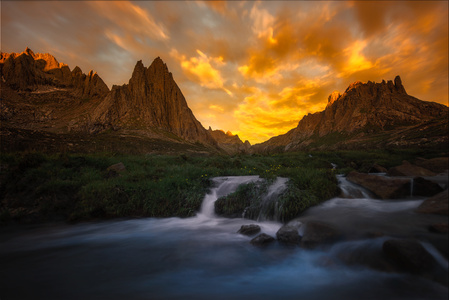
point(150, 99)
point(229, 142)
point(29, 71)
point(362, 110)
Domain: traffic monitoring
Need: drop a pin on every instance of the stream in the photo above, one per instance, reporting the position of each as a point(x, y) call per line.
point(204, 257)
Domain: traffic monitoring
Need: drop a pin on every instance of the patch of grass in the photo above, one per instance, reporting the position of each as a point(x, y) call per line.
point(41, 187)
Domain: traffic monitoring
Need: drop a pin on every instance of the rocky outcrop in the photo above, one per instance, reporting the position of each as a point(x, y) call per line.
point(437, 165)
point(229, 142)
point(377, 169)
point(382, 187)
point(407, 169)
point(409, 256)
point(438, 204)
point(30, 71)
point(361, 116)
point(27, 71)
point(424, 187)
point(151, 99)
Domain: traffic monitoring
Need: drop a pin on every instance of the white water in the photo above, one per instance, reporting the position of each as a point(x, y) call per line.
point(204, 258)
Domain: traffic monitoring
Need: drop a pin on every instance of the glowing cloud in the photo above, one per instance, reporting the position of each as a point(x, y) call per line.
point(203, 69)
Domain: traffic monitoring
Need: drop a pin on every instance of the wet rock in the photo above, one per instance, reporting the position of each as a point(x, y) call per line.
point(318, 233)
point(382, 187)
point(437, 165)
point(262, 239)
point(439, 228)
point(437, 204)
point(115, 169)
point(409, 256)
point(377, 169)
point(249, 229)
point(407, 169)
point(288, 234)
point(424, 187)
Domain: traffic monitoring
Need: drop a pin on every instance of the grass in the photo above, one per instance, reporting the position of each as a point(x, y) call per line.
point(35, 187)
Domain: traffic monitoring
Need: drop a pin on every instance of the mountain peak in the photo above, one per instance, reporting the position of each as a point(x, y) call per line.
point(333, 97)
point(158, 65)
point(398, 85)
point(28, 51)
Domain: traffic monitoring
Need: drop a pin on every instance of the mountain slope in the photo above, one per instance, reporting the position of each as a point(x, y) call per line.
point(230, 143)
point(41, 96)
point(151, 99)
point(367, 115)
point(28, 71)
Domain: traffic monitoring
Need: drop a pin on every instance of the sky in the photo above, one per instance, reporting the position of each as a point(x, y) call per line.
point(254, 68)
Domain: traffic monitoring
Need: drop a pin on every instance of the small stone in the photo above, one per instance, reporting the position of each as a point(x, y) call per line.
point(249, 229)
point(262, 240)
point(288, 234)
point(116, 169)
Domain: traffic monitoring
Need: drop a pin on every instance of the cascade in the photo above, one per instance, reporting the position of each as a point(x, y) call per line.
point(271, 197)
point(352, 190)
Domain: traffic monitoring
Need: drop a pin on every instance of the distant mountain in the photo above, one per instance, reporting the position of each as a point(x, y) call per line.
point(367, 115)
point(230, 143)
point(27, 71)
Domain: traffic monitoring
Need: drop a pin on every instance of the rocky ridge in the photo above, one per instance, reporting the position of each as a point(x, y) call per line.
point(151, 99)
point(366, 115)
point(41, 95)
point(229, 142)
point(28, 71)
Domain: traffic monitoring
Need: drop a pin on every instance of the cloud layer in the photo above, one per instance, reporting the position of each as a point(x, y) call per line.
point(254, 68)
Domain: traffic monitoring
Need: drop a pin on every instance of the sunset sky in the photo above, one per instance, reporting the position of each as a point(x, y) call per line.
point(254, 68)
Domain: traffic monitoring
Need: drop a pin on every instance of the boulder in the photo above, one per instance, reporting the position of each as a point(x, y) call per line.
point(262, 240)
point(408, 255)
point(288, 234)
point(317, 233)
point(437, 165)
point(424, 187)
point(249, 229)
point(116, 169)
point(377, 169)
point(439, 228)
point(382, 187)
point(437, 204)
point(407, 169)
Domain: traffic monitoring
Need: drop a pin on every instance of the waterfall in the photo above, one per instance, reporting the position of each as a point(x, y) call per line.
point(270, 198)
point(352, 190)
point(222, 187)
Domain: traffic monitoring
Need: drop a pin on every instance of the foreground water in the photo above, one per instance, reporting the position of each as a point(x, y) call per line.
point(204, 258)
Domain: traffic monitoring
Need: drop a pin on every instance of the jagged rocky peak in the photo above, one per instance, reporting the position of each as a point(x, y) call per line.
point(151, 99)
point(333, 97)
point(28, 71)
point(229, 142)
point(362, 110)
point(398, 85)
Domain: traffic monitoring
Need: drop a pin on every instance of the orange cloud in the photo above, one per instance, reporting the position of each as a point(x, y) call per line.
point(203, 69)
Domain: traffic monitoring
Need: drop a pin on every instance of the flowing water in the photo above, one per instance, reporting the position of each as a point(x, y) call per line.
point(204, 258)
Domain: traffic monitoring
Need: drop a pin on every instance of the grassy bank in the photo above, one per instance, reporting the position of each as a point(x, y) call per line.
point(35, 187)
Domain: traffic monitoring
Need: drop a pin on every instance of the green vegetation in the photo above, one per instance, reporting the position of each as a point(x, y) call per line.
point(35, 187)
